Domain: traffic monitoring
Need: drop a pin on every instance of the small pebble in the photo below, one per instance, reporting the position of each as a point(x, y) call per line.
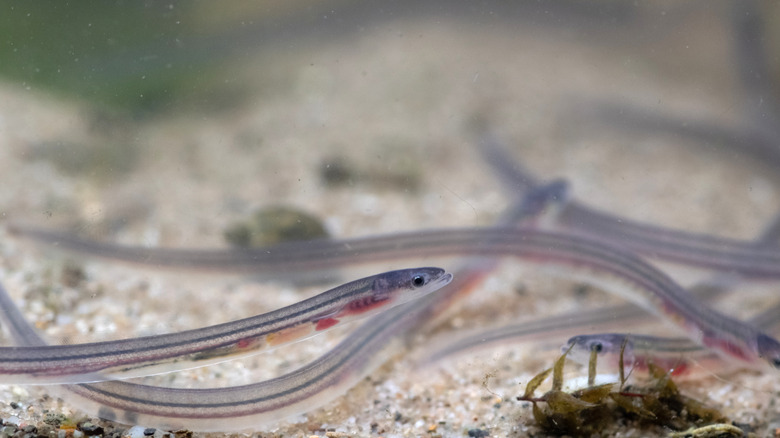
point(54, 419)
point(478, 433)
point(90, 429)
point(335, 172)
point(72, 275)
point(275, 224)
point(135, 432)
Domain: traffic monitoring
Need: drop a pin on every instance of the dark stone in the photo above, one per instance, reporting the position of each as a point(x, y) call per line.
point(90, 429)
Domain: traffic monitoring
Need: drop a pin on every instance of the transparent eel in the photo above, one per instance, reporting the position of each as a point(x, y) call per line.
point(678, 356)
point(450, 344)
point(238, 407)
point(706, 251)
point(290, 259)
point(76, 363)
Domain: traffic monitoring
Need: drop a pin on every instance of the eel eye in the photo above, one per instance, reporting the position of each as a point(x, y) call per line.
point(418, 281)
point(776, 363)
point(597, 347)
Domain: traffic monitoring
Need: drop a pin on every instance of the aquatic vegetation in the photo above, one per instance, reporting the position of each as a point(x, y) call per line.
point(587, 411)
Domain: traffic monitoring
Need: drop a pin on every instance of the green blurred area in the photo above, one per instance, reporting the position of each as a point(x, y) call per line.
point(136, 56)
point(103, 52)
point(146, 56)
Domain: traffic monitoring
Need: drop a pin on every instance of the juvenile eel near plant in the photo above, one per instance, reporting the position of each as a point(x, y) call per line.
point(77, 363)
point(678, 356)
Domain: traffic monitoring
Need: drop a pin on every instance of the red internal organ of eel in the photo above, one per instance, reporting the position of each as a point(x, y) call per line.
point(293, 333)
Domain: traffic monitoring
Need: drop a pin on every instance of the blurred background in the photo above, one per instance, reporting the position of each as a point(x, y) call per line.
point(145, 82)
point(147, 57)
